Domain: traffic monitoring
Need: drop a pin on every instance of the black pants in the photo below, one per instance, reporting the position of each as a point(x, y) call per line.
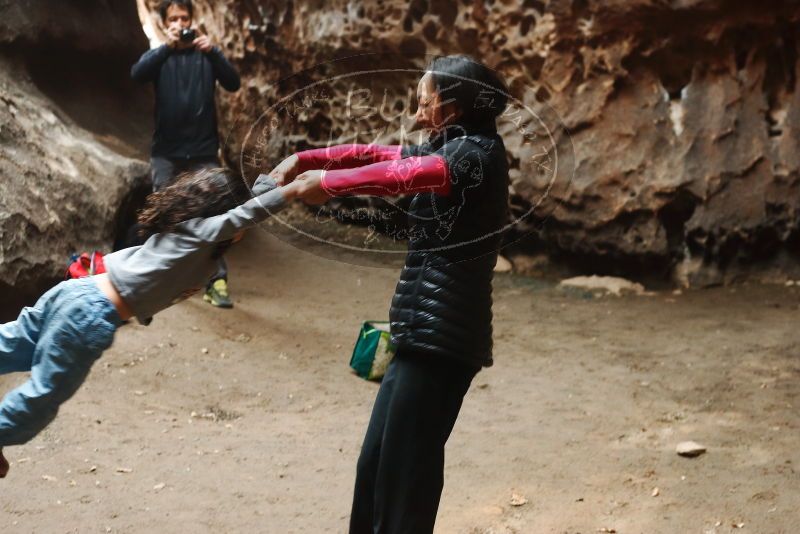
point(163, 172)
point(400, 471)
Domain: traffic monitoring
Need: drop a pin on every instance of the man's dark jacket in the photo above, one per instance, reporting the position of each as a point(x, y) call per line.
point(185, 113)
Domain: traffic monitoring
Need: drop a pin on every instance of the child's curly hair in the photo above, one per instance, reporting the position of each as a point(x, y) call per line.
point(202, 193)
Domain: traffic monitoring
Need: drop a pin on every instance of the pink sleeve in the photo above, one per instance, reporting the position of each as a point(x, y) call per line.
point(387, 178)
point(346, 156)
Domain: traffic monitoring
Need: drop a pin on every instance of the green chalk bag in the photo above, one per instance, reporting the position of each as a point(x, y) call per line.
point(373, 351)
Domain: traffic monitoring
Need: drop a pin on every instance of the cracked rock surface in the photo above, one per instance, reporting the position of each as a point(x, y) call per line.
point(70, 138)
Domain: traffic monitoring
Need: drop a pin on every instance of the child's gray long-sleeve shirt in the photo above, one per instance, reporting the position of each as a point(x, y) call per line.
point(171, 266)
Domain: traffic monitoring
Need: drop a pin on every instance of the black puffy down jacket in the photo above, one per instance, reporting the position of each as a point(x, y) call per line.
point(443, 302)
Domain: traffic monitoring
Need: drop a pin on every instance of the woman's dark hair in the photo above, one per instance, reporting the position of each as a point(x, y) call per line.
point(202, 193)
point(187, 4)
point(476, 90)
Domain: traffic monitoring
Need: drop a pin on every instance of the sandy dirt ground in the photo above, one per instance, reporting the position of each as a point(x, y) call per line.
point(249, 420)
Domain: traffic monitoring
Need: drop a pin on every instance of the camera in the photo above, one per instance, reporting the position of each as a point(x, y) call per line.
point(188, 35)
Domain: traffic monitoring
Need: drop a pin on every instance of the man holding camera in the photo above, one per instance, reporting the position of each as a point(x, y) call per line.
point(184, 72)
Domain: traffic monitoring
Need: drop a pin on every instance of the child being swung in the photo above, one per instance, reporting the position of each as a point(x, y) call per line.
point(190, 225)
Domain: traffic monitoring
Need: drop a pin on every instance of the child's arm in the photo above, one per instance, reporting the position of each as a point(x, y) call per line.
point(263, 184)
point(226, 226)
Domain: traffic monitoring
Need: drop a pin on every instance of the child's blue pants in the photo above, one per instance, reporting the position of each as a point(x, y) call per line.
point(57, 340)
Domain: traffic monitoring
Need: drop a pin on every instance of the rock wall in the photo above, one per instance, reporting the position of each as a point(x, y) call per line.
point(682, 115)
point(73, 131)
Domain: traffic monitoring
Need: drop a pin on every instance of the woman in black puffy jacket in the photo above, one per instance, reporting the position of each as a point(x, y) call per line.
point(441, 318)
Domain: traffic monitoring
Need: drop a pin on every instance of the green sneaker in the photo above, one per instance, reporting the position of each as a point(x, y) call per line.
point(217, 294)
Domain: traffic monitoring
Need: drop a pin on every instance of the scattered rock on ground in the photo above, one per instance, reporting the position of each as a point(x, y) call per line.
point(518, 500)
point(690, 449)
point(604, 284)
